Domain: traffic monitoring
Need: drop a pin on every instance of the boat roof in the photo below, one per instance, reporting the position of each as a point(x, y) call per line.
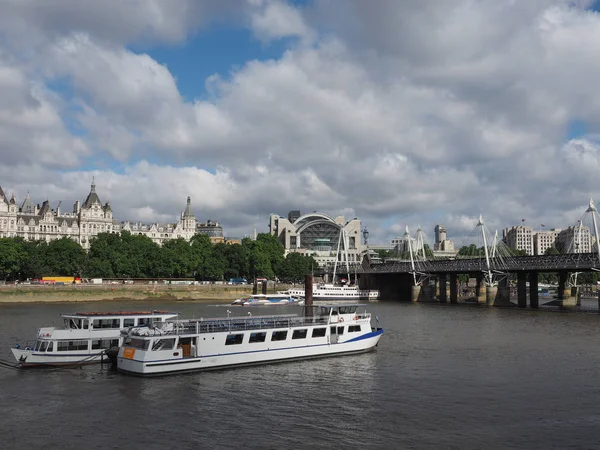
point(318, 304)
point(156, 312)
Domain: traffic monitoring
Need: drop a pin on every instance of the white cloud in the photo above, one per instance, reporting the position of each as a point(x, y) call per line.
point(401, 111)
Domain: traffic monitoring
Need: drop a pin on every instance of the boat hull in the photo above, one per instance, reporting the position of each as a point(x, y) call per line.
point(361, 344)
point(29, 358)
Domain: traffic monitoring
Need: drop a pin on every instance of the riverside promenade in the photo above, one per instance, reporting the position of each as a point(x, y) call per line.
point(119, 292)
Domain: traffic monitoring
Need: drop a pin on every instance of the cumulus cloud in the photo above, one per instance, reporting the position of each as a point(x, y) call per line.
point(396, 112)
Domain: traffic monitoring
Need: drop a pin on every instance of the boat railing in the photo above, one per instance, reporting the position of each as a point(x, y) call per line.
point(199, 326)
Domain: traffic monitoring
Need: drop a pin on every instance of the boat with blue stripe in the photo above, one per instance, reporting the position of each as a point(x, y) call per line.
point(202, 344)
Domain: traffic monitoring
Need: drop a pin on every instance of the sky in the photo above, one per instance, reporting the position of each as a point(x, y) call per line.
point(400, 113)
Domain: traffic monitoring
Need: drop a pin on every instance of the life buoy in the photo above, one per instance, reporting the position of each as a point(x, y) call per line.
point(341, 319)
point(355, 318)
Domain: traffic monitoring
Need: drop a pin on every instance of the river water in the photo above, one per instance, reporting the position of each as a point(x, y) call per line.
point(443, 376)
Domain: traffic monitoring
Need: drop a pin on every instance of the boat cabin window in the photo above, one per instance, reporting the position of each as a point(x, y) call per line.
point(299, 334)
point(234, 339)
point(348, 309)
point(257, 337)
point(66, 346)
point(340, 330)
point(333, 330)
point(163, 344)
point(143, 321)
point(76, 324)
point(319, 332)
point(128, 323)
point(279, 336)
point(50, 346)
point(100, 344)
point(107, 323)
point(140, 344)
point(44, 346)
point(353, 328)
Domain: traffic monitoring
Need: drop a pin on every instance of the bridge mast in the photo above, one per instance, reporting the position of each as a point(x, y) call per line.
point(485, 248)
point(592, 209)
point(412, 259)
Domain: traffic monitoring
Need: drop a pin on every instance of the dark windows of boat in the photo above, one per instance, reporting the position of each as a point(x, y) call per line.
point(234, 339)
point(140, 344)
point(279, 335)
point(347, 309)
point(100, 344)
point(163, 344)
point(340, 330)
point(107, 323)
point(64, 346)
point(299, 334)
point(318, 332)
point(258, 337)
point(128, 322)
point(44, 346)
point(333, 330)
point(353, 328)
point(50, 346)
point(143, 321)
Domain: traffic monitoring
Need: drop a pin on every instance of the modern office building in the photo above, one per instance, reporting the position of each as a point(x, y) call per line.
point(443, 247)
point(318, 235)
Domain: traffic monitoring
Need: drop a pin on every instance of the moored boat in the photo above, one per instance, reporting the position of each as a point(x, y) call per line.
point(202, 344)
point(329, 292)
point(269, 299)
point(84, 338)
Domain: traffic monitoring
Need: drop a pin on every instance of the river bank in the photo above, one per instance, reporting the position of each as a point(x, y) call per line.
point(92, 293)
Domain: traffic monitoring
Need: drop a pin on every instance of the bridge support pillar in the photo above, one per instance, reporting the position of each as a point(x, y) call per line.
point(415, 293)
point(522, 289)
point(480, 290)
point(572, 300)
point(562, 283)
point(498, 295)
point(534, 299)
point(443, 297)
point(453, 288)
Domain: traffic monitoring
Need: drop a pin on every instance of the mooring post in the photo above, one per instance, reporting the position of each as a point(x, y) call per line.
point(255, 288)
point(308, 295)
point(264, 287)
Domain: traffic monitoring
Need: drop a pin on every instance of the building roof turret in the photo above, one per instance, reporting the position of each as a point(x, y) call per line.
point(27, 206)
point(92, 196)
point(2, 196)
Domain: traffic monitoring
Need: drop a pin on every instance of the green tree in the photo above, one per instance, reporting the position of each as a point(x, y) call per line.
point(65, 257)
point(552, 251)
point(13, 257)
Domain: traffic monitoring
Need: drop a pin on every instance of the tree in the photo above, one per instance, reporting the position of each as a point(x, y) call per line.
point(552, 251)
point(65, 257)
point(13, 257)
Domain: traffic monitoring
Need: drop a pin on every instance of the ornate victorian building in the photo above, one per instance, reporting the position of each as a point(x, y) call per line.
point(86, 221)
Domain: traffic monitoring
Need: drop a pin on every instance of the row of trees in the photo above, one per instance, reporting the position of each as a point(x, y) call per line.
point(133, 256)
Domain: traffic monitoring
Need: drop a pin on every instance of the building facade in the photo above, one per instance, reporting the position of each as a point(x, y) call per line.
point(214, 230)
point(88, 219)
point(318, 235)
point(543, 240)
point(443, 247)
point(519, 238)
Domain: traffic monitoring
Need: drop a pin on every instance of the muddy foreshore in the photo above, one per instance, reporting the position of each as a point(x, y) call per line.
point(93, 293)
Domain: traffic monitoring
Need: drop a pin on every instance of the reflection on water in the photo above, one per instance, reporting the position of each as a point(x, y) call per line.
point(444, 376)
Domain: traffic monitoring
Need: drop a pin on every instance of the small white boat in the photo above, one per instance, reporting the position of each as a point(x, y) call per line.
point(84, 338)
point(328, 292)
point(201, 344)
point(269, 299)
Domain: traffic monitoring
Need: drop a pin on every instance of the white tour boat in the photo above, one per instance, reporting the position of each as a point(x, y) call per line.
point(84, 338)
point(269, 299)
point(328, 292)
point(201, 344)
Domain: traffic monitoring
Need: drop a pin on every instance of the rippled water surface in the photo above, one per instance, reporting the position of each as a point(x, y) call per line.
point(443, 376)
